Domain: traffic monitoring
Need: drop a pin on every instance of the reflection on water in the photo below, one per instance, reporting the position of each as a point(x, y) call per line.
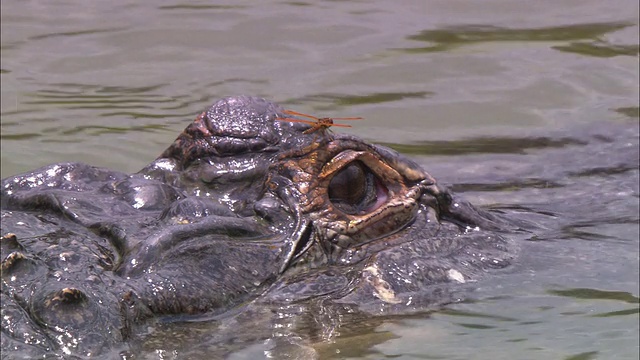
point(332, 101)
point(600, 49)
point(632, 112)
point(503, 123)
point(492, 145)
point(446, 39)
point(597, 295)
point(74, 33)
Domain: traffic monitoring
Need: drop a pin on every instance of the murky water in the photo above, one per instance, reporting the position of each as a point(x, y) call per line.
point(529, 107)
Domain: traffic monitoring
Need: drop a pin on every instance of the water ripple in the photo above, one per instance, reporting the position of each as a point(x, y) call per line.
point(332, 100)
point(595, 294)
point(451, 37)
point(483, 145)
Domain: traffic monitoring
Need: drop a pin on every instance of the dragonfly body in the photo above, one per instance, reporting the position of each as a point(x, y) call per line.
point(315, 122)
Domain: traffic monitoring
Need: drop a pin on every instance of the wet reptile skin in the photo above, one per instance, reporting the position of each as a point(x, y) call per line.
point(240, 208)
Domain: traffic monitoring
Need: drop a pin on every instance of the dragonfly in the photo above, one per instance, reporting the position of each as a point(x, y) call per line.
point(315, 122)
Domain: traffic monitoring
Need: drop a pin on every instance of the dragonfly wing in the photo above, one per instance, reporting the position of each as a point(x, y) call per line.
point(291, 112)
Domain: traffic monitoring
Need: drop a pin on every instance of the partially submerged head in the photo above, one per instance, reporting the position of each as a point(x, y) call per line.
point(333, 200)
point(240, 209)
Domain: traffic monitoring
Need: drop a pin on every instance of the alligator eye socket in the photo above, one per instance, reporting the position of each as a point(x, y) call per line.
point(356, 190)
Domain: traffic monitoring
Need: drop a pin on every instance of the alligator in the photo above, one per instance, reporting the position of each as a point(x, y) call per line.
point(240, 209)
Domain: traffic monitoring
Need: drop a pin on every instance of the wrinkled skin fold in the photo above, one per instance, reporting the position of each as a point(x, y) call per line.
point(239, 209)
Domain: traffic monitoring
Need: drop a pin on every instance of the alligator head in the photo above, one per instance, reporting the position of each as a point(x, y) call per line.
point(239, 208)
point(328, 203)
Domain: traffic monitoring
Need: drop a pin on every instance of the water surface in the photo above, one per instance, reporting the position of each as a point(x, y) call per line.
point(530, 108)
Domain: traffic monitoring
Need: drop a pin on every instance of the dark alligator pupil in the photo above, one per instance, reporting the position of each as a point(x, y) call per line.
point(353, 189)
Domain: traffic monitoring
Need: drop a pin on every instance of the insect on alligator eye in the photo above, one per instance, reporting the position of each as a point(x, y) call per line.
point(316, 123)
point(356, 190)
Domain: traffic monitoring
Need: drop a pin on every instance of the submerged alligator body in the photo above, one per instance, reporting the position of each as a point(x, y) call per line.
point(240, 209)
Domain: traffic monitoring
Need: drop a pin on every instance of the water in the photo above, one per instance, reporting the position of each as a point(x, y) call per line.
point(527, 107)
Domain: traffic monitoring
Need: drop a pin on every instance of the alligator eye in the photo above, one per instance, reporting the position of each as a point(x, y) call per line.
point(356, 190)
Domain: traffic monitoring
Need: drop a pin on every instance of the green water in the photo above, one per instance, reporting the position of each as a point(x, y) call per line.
point(520, 105)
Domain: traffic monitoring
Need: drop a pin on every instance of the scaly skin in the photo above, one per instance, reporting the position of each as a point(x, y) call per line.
point(239, 208)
